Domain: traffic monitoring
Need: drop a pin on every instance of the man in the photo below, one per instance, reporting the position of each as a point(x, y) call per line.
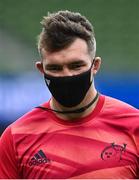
point(79, 133)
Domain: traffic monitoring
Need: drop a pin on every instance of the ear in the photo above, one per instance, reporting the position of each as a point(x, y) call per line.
point(39, 66)
point(97, 64)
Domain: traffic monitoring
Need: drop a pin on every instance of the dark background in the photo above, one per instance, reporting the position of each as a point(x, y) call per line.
point(116, 24)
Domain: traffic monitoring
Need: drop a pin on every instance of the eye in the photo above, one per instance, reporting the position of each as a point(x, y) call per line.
point(75, 66)
point(53, 67)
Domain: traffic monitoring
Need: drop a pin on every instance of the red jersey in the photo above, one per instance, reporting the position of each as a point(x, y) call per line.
point(104, 144)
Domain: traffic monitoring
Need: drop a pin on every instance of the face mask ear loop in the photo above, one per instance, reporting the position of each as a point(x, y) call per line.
point(93, 63)
point(90, 70)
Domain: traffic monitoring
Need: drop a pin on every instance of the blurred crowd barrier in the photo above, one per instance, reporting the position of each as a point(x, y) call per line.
point(23, 92)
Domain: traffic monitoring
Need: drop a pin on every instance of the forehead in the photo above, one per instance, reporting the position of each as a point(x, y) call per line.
point(78, 50)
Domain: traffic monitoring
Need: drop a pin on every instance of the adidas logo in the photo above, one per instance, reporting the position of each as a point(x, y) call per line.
point(38, 158)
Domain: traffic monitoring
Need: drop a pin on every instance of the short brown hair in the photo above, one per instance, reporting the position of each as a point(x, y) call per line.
point(62, 28)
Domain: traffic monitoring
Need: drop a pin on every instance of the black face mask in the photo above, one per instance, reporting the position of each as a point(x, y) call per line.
point(69, 91)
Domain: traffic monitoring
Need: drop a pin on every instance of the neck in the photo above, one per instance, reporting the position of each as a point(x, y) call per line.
point(89, 96)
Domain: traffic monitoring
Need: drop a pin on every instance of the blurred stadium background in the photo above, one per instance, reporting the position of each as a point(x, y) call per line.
point(117, 32)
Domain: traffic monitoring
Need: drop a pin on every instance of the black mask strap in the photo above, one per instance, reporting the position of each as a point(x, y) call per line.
point(80, 110)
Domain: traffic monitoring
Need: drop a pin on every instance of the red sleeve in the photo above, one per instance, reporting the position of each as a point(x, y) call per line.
point(8, 162)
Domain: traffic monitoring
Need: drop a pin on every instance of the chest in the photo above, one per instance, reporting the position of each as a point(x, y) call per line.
point(78, 154)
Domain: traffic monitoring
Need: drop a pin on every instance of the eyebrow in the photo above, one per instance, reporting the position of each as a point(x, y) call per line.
point(78, 62)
